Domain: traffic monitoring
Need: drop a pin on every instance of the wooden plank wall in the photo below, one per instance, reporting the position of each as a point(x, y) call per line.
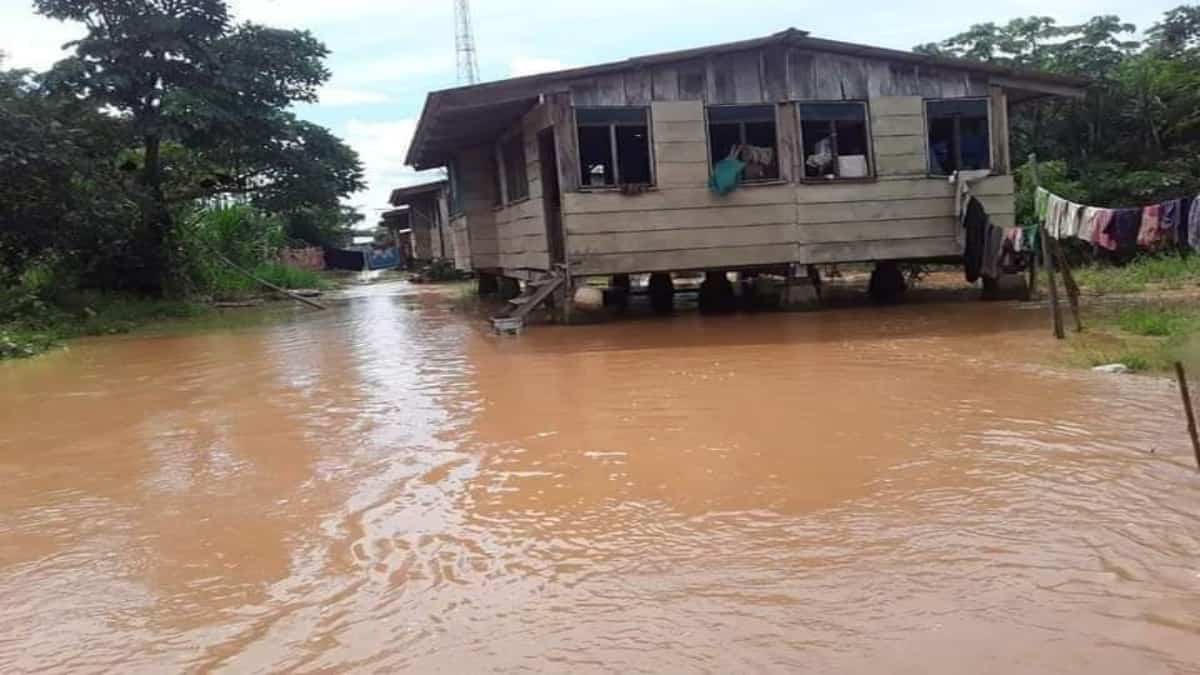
point(478, 187)
point(427, 216)
point(681, 225)
point(521, 226)
point(422, 240)
point(461, 243)
point(775, 74)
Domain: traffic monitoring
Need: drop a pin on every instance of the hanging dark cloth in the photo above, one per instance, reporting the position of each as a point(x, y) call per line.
point(975, 222)
point(1124, 229)
point(342, 259)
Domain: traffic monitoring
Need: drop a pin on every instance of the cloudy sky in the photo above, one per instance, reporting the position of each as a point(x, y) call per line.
point(388, 53)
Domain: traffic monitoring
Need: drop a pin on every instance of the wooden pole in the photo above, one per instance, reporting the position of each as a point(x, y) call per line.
point(1033, 275)
point(1069, 284)
point(1055, 310)
point(1048, 263)
point(1187, 407)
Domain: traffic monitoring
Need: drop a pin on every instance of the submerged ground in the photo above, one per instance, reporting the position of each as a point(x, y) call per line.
point(386, 486)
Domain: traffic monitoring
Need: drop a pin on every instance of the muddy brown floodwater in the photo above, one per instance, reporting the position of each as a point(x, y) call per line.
point(387, 487)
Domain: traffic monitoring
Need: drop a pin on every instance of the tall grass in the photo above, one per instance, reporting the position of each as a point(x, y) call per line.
point(1171, 271)
point(1158, 321)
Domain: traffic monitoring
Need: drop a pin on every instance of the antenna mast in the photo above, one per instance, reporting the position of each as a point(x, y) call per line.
point(464, 43)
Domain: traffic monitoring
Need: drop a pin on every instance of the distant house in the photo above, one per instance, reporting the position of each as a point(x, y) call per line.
point(605, 170)
point(426, 212)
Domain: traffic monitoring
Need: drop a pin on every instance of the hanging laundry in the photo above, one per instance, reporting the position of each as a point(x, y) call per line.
point(1087, 224)
point(1013, 238)
point(1174, 220)
point(725, 175)
point(1193, 238)
point(1040, 197)
point(1169, 221)
point(1101, 220)
point(1055, 208)
point(1150, 234)
point(1124, 228)
point(993, 250)
point(1069, 227)
point(975, 221)
point(1030, 238)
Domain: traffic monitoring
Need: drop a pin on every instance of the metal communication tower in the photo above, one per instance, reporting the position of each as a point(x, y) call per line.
point(464, 43)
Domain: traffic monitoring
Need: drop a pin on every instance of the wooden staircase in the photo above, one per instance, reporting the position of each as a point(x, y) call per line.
point(512, 318)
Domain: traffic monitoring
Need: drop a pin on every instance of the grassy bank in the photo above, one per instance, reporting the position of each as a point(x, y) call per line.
point(1141, 275)
point(42, 313)
point(1145, 337)
point(34, 332)
point(1157, 323)
point(229, 284)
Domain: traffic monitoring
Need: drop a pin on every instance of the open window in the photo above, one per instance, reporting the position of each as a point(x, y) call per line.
point(836, 143)
point(614, 146)
point(959, 136)
point(748, 133)
point(516, 181)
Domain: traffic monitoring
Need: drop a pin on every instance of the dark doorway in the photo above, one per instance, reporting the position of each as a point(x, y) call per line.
point(551, 196)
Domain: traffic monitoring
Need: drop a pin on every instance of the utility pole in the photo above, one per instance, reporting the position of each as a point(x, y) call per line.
point(464, 43)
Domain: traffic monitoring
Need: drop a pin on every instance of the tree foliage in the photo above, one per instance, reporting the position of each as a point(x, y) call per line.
point(61, 196)
point(1135, 138)
point(204, 103)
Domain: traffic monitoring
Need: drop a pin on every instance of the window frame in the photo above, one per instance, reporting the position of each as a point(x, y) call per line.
point(500, 157)
point(872, 169)
point(779, 174)
point(612, 147)
point(991, 132)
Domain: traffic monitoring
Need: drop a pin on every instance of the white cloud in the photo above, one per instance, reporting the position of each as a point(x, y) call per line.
point(382, 147)
point(31, 41)
point(520, 66)
point(337, 96)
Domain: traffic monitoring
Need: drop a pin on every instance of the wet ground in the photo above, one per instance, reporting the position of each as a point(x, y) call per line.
point(386, 487)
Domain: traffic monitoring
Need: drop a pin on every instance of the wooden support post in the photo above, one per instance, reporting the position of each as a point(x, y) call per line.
point(1188, 410)
point(1068, 283)
point(1055, 310)
point(1048, 263)
point(1033, 275)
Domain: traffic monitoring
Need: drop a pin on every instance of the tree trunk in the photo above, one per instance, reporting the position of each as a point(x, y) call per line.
point(156, 222)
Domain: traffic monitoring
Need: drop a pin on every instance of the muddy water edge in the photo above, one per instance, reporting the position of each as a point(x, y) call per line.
point(386, 486)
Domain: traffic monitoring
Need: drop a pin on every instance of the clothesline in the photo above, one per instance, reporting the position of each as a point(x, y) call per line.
point(1148, 227)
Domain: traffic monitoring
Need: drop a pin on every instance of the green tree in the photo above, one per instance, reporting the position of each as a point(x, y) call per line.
point(61, 195)
point(207, 102)
point(1135, 138)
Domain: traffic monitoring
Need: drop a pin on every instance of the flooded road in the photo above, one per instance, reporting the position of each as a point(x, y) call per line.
point(387, 487)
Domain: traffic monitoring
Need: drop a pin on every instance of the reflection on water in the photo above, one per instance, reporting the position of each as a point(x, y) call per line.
point(385, 486)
